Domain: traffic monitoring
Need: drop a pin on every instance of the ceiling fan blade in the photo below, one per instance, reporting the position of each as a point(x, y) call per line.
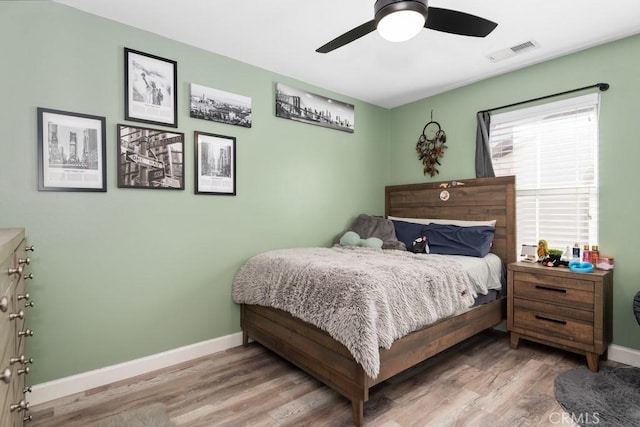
point(348, 37)
point(454, 22)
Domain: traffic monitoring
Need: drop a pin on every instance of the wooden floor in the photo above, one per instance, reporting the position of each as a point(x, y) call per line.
point(480, 382)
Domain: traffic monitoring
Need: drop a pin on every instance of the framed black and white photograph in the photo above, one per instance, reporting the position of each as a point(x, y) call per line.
point(306, 107)
point(220, 106)
point(150, 158)
point(215, 164)
point(71, 151)
point(150, 88)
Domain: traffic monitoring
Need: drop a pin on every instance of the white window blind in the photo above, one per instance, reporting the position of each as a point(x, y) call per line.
point(552, 150)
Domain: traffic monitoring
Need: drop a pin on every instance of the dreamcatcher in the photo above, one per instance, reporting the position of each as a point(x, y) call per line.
point(430, 146)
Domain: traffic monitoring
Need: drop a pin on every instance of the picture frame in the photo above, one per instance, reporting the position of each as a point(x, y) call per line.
point(150, 89)
point(306, 107)
point(215, 164)
point(71, 151)
point(150, 158)
point(219, 106)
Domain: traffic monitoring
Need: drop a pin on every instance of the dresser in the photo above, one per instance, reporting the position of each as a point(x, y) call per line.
point(560, 308)
point(15, 304)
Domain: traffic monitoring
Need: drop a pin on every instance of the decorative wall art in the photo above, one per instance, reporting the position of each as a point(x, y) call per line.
point(150, 88)
point(430, 147)
point(71, 151)
point(220, 106)
point(306, 107)
point(215, 164)
point(150, 158)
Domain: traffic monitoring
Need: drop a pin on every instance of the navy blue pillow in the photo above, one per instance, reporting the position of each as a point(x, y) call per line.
point(448, 239)
point(407, 232)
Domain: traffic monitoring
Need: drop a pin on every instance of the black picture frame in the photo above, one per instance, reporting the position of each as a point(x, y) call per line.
point(307, 107)
point(72, 152)
point(215, 164)
point(219, 106)
point(150, 158)
point(150, 89)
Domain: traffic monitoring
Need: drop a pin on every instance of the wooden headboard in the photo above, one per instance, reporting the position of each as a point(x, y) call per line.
point(470, 199)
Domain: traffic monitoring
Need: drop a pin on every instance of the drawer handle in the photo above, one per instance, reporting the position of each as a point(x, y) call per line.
point(20, 406)
point(4, 304)
point(562, 322)
point(5, 376)
point(21, 359)
point(546, 288)
point(25, 333)
point(17, 270)
point(18, 315)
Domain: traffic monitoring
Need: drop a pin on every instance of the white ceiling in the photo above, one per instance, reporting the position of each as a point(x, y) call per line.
point(282, 35)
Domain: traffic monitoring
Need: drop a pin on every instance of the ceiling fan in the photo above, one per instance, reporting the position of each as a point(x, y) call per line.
point(400, 20)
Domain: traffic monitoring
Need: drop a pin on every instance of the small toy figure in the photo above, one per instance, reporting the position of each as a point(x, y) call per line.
point(543, 249)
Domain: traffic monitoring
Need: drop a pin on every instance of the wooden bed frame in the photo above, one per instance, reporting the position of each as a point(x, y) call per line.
point(315, 352)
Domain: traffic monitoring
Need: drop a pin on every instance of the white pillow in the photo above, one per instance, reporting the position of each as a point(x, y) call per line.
point(458, 222)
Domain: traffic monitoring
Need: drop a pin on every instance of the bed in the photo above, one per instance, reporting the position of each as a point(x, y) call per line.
point(316, 352)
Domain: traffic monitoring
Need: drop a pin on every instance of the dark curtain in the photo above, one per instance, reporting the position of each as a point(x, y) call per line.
point(484, 167)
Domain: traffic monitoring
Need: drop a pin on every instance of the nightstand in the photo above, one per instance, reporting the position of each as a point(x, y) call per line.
point(556, 307)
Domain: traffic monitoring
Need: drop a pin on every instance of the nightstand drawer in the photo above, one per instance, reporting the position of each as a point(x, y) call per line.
point(569, 292)
point(562, 311)
point(554, 325)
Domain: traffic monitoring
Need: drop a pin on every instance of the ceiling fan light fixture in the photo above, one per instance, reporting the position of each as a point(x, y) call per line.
point(401, 26)
point(400, 20)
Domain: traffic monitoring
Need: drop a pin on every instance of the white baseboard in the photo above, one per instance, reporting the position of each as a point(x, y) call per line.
point(67, 386)
point(625, 355)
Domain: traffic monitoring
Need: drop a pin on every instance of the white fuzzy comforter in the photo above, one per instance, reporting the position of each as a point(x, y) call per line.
point(364, 298)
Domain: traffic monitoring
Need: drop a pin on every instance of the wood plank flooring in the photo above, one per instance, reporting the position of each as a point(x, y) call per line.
point(480, 382)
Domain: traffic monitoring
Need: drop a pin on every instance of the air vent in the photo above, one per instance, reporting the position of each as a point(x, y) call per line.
point(523, 46)
point(512, 51)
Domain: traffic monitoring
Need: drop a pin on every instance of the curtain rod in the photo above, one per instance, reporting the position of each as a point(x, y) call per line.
point(602, 86)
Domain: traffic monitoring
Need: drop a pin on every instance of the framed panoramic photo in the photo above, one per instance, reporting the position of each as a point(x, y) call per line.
point(150, 86)
point(71, 151)
point(215, 164)
point(150, 158)
point(219, 106)
point(306, 107)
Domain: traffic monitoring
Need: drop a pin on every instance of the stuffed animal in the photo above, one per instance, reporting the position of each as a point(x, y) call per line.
point(351, 238)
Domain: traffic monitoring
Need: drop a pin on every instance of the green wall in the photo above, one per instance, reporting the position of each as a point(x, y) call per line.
point(616, 63)
point(131, 272)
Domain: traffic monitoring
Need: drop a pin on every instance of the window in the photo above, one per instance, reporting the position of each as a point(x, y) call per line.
point(552, 150)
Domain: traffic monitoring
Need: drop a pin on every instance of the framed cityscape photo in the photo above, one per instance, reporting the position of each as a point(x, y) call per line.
point(219, 106)
point(150, 88)
point(150, 158)
point(306, 107)
point(71, 151)
point(215, 164)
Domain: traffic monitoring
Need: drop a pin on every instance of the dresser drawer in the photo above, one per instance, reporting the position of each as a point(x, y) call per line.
point(554, 325)
point(6, 390)
point(20, 324)
point(568, 292)
point(5, 401)
point(7, 327)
